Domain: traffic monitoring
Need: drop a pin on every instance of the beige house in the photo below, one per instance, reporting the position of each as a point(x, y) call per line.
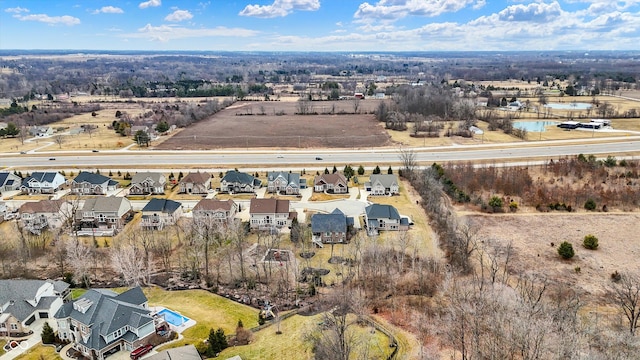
point(44, 214)
point(268, 214)
point(147, 183)
point(102, 216)
point(333, 183)
point(382, 184)
point(207, 210)
point(195, 183)
point(159, 213)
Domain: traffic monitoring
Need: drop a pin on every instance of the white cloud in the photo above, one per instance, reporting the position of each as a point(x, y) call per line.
point(179, 15)
point(171, 32)
point(150, 3)
point(108, 10)
point(51, 20)
point(397, 9)
point(280, 8)
point(16, 10)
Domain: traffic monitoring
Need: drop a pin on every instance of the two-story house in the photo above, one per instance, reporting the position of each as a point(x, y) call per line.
point(211, 210)
point(331, 228)
point(47, 182)
point(9, 181)
point(195, 183)
point(102, 215)
point(87, 183)
point(239, 182)
point(146, 183)
point(283, 182)
point(101, 322)
point(37, 216)
point(267, 214)
point(159, 213)
point(24, 301)
point(382, 184)
point(335, 183)
point(384, 217)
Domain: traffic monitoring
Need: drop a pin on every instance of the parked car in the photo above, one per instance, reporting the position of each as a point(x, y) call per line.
point(139, 352)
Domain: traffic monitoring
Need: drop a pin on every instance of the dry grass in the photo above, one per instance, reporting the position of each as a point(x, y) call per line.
point(40, 352)
point(327, 197)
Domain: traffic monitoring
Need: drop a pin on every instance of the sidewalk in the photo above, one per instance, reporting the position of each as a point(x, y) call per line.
point(33, 340)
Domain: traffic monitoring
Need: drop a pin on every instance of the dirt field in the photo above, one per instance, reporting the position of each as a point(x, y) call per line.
point(533, 233)
point(275, 125)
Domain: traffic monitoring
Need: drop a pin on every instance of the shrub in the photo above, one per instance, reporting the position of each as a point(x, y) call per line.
point(495, 202)
point(48, 336)
point(566, 250)
point(615, 276)
point(590, 205)
point(590, 242)
point(513, 206)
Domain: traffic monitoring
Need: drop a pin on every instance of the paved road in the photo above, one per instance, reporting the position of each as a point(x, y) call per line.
point(327, 157)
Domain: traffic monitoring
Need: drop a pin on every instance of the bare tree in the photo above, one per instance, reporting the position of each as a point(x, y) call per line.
point(409, 162)
point(80, 259)
point(59, 139)
point(128, 259)
point(627, 296)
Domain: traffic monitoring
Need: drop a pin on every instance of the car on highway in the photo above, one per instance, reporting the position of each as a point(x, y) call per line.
point(23, 152)
point(279, 156)
point(94, 150)
point(52, 158)
point(318, 158)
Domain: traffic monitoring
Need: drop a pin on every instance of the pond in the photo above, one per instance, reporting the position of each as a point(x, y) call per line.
point(534, 126)
point(569, 106)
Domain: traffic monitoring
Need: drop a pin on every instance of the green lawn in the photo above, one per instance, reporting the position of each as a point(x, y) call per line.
point(2, 343)
point(207, 309)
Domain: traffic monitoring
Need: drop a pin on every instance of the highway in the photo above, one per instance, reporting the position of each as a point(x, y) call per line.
point(320, 158)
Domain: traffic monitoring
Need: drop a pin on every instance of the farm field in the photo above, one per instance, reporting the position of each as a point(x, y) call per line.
point(242, 126)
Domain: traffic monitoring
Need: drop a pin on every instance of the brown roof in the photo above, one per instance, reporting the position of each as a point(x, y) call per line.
point(212, 204)
point(330, 178)
point(196, 177)
point(42, 206)
point(269, 206)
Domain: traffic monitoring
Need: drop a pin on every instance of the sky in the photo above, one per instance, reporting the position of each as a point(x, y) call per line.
point(320, 25)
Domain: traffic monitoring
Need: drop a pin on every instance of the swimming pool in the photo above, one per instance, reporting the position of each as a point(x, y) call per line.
point(533, 126)
point(569, 106)
point(173, 317)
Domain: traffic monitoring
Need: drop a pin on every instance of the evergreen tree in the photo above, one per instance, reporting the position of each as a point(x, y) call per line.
point(376, 170)
point(389, 170)
point(48, 336)
point(335, 170)
point(360, 170)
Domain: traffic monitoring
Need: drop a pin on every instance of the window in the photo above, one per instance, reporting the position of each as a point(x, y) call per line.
point(3, 325)
point(14, 326)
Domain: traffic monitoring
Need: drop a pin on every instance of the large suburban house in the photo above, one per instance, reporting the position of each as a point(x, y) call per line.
point(382, 184)
point(330, 228)
point(9, 181)
point(159, 213)
point(239, 182)
point(24, 301)
point(146, 183)
point(211, 210)
point(103, 216)
point(195, 183)
point(102, 322)
point(384, 217)
point(333, 183)
point(87, 183)
point(42, 182)
point(267, 214)
point(36, 216)
point(283, 182)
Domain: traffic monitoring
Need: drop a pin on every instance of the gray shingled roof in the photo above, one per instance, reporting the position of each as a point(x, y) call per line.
point(385, 179)
point(40, 177)
point(377, 211)
point(163, 205)
point(15, 293)
point(103, 203)
point(187, 352)
point(233, 176)
point(91, 178)
point(334, 222)
point(292, 178)
point(142, 176)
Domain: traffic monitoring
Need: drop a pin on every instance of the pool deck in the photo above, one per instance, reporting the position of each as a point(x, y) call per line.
point(178, 329)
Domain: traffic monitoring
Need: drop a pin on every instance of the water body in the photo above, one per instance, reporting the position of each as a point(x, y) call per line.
point(534, 126)
point(569, 106)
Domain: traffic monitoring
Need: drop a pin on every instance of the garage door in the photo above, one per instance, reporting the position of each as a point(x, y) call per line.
point(30, 320)
point(43, 315)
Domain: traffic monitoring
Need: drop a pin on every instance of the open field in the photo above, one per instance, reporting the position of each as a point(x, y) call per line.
point(241, 126)
point(39, 352)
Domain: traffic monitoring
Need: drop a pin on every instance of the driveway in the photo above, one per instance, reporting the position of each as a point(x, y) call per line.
point(34, 340)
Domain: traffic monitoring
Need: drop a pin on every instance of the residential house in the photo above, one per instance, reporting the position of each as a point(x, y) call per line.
point(187, 352)
point(102, 215)
point(333, 183)
point(88, 183)
point(9, 181)
point(283, 182)
point(270, 213)
point(24, 301)
point(47, 182)
point(159, 213)
point(146, 183)
point(382, 184)
point(208, 210)
point(102, 322)
point(195, 183)
point(41, 131)
point(239, 182)
point(330, 228)
point(384, 217)
point(44, 214)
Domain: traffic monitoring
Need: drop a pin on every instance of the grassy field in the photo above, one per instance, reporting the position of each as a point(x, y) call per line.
point(40, 352)
point(207, 309)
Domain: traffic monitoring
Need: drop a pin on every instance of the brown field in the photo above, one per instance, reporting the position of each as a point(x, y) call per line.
point(241, 126)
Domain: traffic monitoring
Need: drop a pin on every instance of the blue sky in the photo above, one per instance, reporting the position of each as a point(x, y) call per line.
point(320, 25)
